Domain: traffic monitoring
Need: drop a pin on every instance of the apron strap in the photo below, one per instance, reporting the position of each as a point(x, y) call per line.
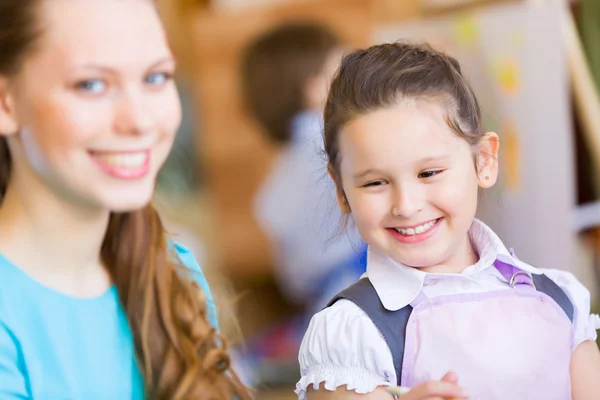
point(518, 278)
point(550, 288)
point(391, 324)
point(515, 277)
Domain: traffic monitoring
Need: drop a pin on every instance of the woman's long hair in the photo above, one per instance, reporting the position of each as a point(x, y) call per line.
point(180, 354)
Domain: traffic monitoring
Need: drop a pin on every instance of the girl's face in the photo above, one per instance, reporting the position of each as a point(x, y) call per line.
point(411, 183)
point(92, 113)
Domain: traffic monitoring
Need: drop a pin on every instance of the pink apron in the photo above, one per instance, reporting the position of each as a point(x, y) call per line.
point(512, 344)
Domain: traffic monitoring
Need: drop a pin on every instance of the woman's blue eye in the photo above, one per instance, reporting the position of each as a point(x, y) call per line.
point(94, 86)
point(158, 79)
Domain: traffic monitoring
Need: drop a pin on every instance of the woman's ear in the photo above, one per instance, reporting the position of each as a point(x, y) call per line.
point(487, 160)
point(8, 119)
point(341, 197)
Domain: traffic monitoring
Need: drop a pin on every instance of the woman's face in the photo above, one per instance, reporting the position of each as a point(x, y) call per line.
point(94, 106)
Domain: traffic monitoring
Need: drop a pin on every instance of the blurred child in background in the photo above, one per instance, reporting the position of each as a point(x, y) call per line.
point(286, 73)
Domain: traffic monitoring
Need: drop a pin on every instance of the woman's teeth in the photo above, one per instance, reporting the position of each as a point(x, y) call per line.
point(416, 230)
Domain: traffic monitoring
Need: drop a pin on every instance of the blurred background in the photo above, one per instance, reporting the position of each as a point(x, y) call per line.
point(246, 186)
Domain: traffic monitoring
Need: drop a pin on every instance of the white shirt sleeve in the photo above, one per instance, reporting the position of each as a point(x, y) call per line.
point(342, 347)
point(585, 323)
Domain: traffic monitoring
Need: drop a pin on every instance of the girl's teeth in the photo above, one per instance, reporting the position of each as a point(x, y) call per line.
point(131, 160)
point(416, 231)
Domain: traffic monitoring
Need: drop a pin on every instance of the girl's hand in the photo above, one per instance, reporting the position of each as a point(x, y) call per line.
point(445, 389)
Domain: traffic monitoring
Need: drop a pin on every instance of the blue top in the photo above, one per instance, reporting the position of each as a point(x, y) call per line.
point(53, 346)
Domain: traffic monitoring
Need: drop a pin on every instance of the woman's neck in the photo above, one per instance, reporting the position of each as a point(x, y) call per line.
point(53, 240)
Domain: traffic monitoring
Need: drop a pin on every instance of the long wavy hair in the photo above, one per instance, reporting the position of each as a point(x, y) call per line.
point(180, 354)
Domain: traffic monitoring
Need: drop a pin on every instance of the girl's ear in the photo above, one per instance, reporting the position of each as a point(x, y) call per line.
point(487, 160)
point(341, 197)
point(8, 119)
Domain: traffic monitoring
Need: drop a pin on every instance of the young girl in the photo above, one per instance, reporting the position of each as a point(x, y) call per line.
point(95, 301)
point(445, 309)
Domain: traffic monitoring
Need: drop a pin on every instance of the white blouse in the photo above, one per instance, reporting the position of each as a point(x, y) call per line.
point(343, 347)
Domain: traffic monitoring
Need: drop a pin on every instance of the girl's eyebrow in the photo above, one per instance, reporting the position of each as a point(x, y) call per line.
point(442, 157)
point(361, 174)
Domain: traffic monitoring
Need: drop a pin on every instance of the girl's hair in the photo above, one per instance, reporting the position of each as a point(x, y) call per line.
point(276, 68)
point(180, 354)
point(383, 75)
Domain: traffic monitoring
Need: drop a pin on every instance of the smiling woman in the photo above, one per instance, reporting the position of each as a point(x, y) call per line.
point(95, 300)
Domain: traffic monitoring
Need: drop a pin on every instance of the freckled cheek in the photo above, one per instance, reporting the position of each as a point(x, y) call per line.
point(59, 130)
point(168, 120)
point(168, 115)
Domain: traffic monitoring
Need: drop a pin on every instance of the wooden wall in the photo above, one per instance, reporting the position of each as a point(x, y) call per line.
point(236, 157)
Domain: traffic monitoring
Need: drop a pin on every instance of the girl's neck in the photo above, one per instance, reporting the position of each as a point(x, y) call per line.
point(53, 240)
point(464, 256)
